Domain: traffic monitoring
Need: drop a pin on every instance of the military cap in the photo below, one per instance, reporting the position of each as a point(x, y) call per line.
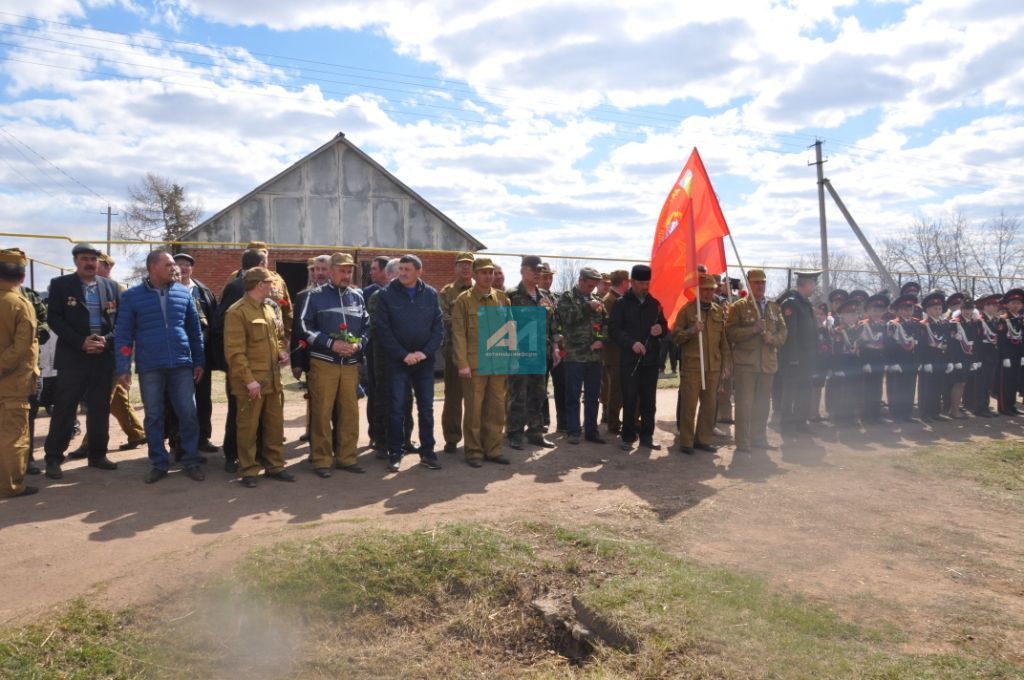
point(884, 293)
point(606, 277)
point(708, 281)
point(910, 285)
point(184, 256)
point(106, 259)
point(717, 278)
point(640, 272)
point(545, 268)
point(932, 299)
point(811, 275)
point(904, 301)
point(256, 245)
point(756, 275)
point(464, 257)
point(838, 294)
point(342, 260)
point(257, 274)
point(877, 300)
point(968, 303)
point(849, 305)
point(990, 299)
point(482, 263)
point(531, 261)
point(85, 248)
point(859, 296)
point(1013, 294)
point(590, 273)
point(13, 256)
point(956, 299)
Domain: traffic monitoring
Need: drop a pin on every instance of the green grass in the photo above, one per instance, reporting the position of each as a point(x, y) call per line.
point(997, 467)
point(454, 602)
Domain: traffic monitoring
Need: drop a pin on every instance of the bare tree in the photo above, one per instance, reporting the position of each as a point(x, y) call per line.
point(159, 209)
point(567, 274)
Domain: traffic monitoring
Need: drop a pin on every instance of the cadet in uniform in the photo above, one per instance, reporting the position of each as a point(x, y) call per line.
point(756, 330)
point(845, 381)
point(690, 335)
point(987, 351)
point(1011, 333)
point(583, 324)
point(19, 368)
point(611, 385)
point(527, 393)
point(935, 363)
point(254, 346)
point(871, 353)
point(451, 414)
point(963, 328)
point(798, 354)
point(901, 355)
point(484, 419)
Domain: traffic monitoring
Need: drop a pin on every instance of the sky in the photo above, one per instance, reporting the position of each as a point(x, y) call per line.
point(548, 127)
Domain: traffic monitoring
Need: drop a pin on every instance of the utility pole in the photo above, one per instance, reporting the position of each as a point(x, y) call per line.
point(821, 215)
point(109, 215)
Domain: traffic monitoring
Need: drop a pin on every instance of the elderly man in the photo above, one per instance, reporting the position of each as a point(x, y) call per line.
point(451, 414)
point(82, 308)
point(335, 325)
point(755, 329)
point(583, 323)
point(159, 321)
point(206, 305)
point(255, 349)
point(407, 323)
point(19, 367)
point(697, 336)
point(636, 326)
point(485, 394)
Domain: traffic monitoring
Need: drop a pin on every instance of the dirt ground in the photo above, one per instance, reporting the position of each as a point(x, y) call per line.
point(834, 516)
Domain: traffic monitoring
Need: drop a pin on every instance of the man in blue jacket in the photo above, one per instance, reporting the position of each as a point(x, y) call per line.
point(410, 327)
point(159, 322)
point(335, 325)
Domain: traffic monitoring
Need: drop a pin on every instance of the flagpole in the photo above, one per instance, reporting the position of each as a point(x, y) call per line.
point(743, 272)
point(700, 341)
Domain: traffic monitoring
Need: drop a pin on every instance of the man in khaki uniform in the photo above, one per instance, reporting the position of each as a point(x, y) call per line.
point(451, 415)
point(254, 347)
point(19, 368)
point(279, 290)
point(690, 334)
point(756, 330)
point(484, 419)
point(611, 386)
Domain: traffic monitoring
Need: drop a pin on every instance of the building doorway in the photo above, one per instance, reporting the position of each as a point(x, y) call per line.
point(295, 275)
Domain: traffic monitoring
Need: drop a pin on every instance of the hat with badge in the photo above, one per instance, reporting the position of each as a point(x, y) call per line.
point(838, 295)
point(932, 299)
point(1013, 294)
point(877, 301)
point(106, 259)
point(256, 245)
point(531, 261)
point(708, 281)
point(849, 305)
point(909, 286)
point(859, 296)
point(545, 268)
point(13, 256)
point(464, 257)
point(86, 248)
point(185, 256)
point(590, 273)
point(640, 272)
point(807, 276)
point(956, 299)
point(754, 275)
point(257, 275)
point(482, 263)
point(342, 260)
point(990, 299)
point(904, 301)
point(606, 277)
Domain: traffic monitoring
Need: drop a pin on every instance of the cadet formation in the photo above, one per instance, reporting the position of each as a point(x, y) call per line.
point(744, 360)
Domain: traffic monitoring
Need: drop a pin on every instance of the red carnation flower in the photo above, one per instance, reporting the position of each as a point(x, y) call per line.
point(562, 354)
point(343, 326)
point(303, 344)
point(596, 326)
point(743, 293)
point(282, 302)
point(126, 350)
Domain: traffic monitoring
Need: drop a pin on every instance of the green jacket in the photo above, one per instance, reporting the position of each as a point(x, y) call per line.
point(580, 325)
point(42, 328)
point(518, 297)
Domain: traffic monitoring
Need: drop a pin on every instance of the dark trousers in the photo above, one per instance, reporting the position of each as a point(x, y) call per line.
point(92, 382)
point(1009, 384)
point(900, 391)
point(930, 390)
point(871, 401)
point(980, 387)
point(668, 350)
point(796, 395)
point(846, 396)
point(558, 386)
point(33, 411)
point(374, 423)
point(526, 397)
point(204, 406)
point(230, 445)
point(421, 377)
point(585, 377)
point(639, 391)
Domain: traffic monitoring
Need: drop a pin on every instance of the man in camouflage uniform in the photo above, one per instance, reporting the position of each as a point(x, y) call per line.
point(451, 415)
point(42, 335)
point(556, 367)
point(584, 328)
point(527, 393)
point(19, 369)
point(611, 385)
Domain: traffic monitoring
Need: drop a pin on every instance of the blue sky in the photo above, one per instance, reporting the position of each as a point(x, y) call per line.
point(554, 127)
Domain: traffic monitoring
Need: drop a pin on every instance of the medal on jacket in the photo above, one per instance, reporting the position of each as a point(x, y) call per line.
point(899, 334)
point(72, 301)
point(933, 341)
point(869, 338)
point(989, 336)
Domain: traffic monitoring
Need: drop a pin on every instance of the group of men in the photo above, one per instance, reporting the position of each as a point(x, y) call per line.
point(601, 340)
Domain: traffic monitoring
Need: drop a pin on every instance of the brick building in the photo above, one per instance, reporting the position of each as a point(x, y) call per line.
point(336, 199)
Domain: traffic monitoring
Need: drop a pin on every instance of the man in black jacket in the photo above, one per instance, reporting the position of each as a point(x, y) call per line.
point(81, 308)
point(637, 322)
point(206, 305)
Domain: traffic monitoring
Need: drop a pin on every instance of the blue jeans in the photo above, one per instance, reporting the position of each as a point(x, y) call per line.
point(181, 389)
point(421, 376)
point(583, 377)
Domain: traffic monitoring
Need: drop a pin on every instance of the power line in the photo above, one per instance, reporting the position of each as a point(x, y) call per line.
point(30, 181)
point(53, 165)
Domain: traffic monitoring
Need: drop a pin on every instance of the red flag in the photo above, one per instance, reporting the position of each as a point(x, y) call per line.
point(689, 232)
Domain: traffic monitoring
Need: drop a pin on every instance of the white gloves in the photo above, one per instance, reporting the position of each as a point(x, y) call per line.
point(895, 368)
point(949, 368)
point(1006, 363)
point(867, 368)
point(927, 368)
